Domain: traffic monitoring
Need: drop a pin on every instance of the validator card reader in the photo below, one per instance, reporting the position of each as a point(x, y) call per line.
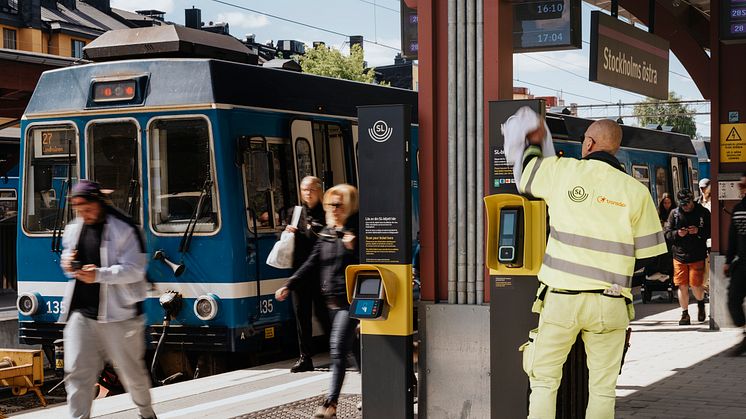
point(509, 237)
point(368, 299)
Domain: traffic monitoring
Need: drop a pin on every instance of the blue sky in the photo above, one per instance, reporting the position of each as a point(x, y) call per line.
point(378, 21)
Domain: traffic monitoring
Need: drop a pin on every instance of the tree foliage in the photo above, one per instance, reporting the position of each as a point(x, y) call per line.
point(330, 62)
point(678, 115)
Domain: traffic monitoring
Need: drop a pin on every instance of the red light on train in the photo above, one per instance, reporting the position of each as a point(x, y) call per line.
point(111, 91)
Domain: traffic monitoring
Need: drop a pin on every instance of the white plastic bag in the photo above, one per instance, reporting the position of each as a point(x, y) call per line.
point(281, 256)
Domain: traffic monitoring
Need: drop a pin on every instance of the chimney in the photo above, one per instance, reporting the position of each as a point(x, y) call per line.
point(193, 18)
point(356, 40)
point(30, 11)
point(102, 5)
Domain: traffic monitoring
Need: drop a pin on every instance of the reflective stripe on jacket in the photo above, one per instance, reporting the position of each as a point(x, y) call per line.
point(601, 220)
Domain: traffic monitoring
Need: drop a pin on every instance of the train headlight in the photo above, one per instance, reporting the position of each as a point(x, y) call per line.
point(28, 303)
point(206, 307)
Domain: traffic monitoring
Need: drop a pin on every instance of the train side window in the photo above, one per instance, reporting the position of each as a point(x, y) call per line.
point(661, 182)
point(642, 174)
point(8, 204)
point(180, 163)
point(303, 158)
point(113, 161)
point(281, 197)
point(50, 153)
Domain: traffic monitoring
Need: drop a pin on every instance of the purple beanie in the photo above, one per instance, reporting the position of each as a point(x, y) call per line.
point(87, 189)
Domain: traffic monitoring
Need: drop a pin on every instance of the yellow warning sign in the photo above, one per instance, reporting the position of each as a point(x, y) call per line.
point(732, 144)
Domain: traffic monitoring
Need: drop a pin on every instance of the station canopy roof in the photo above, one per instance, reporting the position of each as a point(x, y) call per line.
point(675, 6)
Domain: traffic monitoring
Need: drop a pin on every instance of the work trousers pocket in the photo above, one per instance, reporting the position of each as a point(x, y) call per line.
point(539, 302)
point(528, 349)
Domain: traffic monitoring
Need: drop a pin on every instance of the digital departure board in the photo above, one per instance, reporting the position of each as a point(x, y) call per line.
point(733, 20)
point(546, 25)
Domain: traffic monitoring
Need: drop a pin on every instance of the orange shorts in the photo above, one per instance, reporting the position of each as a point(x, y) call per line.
point(692, 274)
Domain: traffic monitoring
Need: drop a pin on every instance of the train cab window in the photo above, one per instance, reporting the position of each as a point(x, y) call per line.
point(51, 155)
point(113, 161)
point(281, 196)
point(8, 204)
point(661, 182)
point(180, 170)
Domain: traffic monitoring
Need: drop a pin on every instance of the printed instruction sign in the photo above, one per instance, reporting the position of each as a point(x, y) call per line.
point(732, 143)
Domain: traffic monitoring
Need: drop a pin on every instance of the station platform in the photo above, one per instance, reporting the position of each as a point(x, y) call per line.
point(671, 371)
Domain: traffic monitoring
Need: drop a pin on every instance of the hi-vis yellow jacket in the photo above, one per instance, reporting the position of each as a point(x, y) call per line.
point(600, 218)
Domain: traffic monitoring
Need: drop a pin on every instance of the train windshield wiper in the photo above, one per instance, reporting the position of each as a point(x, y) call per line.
point(130, 203)
point(186, 240)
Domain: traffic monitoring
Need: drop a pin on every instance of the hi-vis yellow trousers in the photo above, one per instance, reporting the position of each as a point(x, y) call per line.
point(602, 321)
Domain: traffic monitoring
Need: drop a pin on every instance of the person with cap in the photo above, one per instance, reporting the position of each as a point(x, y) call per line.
point(705, 191)
point(602, 222)
point(688, 229)
point(104, 258)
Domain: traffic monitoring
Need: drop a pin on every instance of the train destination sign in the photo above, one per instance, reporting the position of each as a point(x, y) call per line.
point(629, 58)
point(732, 20)
point(52, 143)
point(545, 25)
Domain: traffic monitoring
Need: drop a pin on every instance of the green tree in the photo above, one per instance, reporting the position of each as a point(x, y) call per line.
point(330, 62)
point(678, 115)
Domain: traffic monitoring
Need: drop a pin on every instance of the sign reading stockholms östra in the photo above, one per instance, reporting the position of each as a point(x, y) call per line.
point(626, 57)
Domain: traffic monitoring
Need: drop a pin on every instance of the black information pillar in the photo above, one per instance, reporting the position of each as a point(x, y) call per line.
point(511, 297)
point(386, 239)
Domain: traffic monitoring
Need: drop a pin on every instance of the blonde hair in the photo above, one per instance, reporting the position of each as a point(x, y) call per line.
point(348, 194)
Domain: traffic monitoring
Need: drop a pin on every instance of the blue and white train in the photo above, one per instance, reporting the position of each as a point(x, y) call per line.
point(207, 156)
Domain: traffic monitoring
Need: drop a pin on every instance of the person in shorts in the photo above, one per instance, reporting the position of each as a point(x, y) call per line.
point(687, 230)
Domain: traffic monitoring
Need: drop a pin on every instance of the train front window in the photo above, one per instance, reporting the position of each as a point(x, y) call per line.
point(113, 162)
point(180, 168)
point(51, 158)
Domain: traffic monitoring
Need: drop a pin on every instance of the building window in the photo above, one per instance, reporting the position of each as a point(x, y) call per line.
point(77, 48)
point(9, 39)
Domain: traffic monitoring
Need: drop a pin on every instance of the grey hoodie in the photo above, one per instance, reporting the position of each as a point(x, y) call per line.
point(122, 271)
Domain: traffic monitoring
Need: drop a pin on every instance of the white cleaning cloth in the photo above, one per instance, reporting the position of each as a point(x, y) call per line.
point(514, 132)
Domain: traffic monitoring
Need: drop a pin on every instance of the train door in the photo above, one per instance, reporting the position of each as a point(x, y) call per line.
point(328, 151)
point(113, 150)
point(678, 180)
point(661, 183)
point(693, 177)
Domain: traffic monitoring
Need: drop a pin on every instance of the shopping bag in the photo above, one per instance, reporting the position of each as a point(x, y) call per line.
point(281, 256)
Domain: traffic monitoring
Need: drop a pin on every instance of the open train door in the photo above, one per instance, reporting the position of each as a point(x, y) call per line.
point(678, 176)
point(304, 154)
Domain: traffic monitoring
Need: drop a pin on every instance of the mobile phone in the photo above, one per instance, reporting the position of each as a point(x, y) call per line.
point(76, 265)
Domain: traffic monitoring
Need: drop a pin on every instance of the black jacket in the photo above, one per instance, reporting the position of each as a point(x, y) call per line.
point(305, 238)
point(737, 234)
point(331, 258)
point(692, 247)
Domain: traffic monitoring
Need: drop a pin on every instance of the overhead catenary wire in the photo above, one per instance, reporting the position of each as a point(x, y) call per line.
point(318, 28)
point(378, 5)
point(564, 91)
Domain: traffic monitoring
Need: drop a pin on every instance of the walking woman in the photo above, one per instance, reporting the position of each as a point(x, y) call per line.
point(307, 296)
point(336, 248)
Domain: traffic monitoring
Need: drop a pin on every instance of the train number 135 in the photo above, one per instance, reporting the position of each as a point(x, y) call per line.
point(266, 307)
point(55, 307)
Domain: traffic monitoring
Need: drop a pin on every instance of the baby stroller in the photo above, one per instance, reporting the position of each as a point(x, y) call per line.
point(658, 277)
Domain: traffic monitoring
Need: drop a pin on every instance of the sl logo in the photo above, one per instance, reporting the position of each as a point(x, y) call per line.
point(577, 194)
point(380, 131)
